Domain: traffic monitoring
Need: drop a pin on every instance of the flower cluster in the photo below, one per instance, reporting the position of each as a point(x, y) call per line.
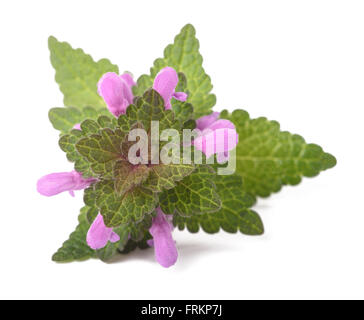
point(117, 93)
point(152, 156)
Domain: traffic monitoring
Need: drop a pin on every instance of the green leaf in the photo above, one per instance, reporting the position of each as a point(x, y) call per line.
point(165, 176)
point(68, 144)
point(64, 119)
point(195, 194)
point(268, 158)
point(184, 56)
point(128, 176)
point(78, 74)
point(131, 207)
point(149, 107)
point(76, 248)
point(101, 150)
point(94, 148)
point(234, 214)
point(144, 82)
point(183, 111)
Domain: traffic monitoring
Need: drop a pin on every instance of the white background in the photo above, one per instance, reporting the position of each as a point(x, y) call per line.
point(298, 62)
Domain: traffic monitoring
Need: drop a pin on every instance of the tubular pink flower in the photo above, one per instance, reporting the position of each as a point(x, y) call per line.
point(116, 91)
point(165, 83)
point(203, 122)
point(164, 245)
point(127, 77)
point(55, 183)
point(217, 136)
point(99, 235)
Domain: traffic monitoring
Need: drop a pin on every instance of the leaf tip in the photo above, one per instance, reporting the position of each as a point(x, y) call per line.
point(57, 257)
point(329, 161)
point(51, 41)
point(189, 27)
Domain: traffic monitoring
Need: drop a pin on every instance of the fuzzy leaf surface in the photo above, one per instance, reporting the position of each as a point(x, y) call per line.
point(234, 214)
point(268, 158)
point(78, 74)
point(195, 194)
point(64, 119)
point(131, 207)
point(76, 248)
point(92, 134)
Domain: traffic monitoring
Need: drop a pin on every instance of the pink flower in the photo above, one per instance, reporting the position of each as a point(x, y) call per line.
point(116, 91)
point(56, 183)
point(165, 83)
point(77, 126)
point(218, 136)
point(99, 235)
point(164, 245)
